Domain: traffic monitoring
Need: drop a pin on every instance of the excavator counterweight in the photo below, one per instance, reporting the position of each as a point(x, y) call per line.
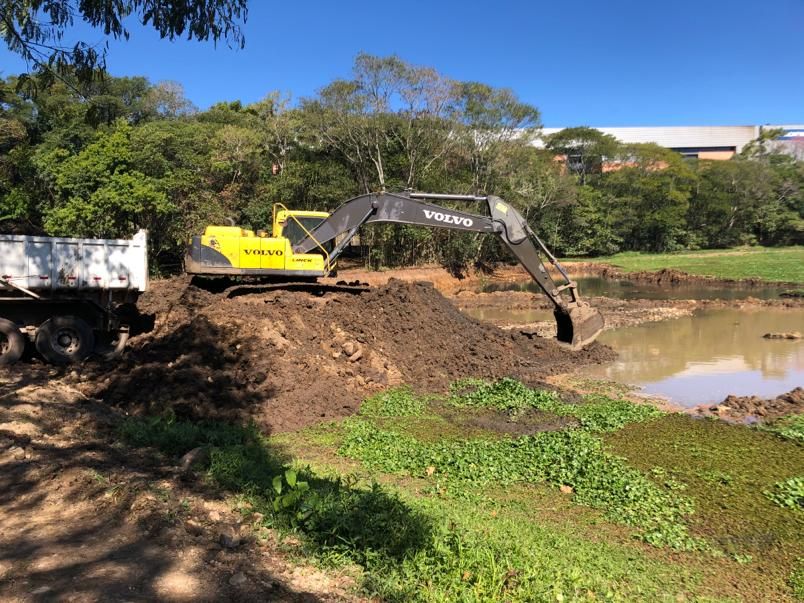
point(303, 245)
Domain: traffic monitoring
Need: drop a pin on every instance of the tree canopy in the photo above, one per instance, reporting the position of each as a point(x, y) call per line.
point(105, 157)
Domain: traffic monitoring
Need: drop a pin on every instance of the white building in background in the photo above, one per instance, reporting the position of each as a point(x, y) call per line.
point(704, 142)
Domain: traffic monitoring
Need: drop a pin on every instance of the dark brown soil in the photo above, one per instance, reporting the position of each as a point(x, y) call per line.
point(753, 408)
point(287, 359)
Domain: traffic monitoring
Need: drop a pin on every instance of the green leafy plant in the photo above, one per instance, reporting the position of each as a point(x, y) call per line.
point(397, 402)
point(790, 427)
point(293, 497)
point(573, 458)
point(788, 494)
point(595, 413)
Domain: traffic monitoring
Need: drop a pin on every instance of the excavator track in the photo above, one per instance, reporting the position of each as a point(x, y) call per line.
point(226, 288)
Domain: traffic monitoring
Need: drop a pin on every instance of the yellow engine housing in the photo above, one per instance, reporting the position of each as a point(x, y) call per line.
point(235, 251)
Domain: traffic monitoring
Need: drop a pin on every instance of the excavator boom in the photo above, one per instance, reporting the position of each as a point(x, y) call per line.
point(578, 323)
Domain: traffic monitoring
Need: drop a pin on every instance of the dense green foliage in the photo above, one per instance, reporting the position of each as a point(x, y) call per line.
point(572, 457)
point(106, 156)
point(411, 548)
point(790, 427)
point(788, 494)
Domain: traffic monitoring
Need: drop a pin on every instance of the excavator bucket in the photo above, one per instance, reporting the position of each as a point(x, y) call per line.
point(579, 326)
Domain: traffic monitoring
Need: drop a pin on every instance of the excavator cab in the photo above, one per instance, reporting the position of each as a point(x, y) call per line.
point(295, 226)
point(234, 251)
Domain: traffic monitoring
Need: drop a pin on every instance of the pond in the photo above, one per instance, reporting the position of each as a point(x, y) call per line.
point(693, 360)
point(705, 357)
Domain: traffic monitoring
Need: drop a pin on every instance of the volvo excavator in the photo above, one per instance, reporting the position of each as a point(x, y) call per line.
point(305, 246)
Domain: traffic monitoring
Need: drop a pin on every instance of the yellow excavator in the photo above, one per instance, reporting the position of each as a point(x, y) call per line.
point(305, 245)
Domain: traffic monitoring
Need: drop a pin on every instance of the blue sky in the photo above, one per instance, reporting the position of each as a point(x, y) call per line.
point(587, 62)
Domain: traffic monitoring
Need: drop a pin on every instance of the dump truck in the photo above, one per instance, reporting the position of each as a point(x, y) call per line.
point(64, 295)
point(306, 245)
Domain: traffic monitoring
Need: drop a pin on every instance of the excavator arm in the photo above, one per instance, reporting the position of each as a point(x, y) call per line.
point(578, 323)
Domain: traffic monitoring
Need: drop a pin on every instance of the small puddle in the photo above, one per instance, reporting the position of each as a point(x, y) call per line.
point(594, 286)
point(701, 359)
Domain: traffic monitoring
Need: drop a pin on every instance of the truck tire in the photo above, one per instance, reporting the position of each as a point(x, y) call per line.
point(64, 340)
point(12, 342)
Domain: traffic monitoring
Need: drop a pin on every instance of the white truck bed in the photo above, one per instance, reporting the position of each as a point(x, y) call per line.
point(49, 263)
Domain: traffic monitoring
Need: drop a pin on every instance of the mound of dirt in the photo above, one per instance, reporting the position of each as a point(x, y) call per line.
point(742, 408)
point(286, 359)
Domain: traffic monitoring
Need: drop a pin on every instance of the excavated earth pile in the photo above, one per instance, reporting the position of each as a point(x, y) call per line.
point(286, 359)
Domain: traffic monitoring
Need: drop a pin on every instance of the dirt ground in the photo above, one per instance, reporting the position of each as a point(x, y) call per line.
point(85, 519)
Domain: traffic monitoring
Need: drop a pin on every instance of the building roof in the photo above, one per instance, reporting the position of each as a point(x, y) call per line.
point(683, 137)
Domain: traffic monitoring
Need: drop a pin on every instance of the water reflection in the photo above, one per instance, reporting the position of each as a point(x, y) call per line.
point(704, 357)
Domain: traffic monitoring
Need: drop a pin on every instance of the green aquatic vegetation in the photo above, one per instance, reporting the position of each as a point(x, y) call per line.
point(595, 413)
point(396, 402)
point(790, 427)
point(571, 458)
point(506, 395)
point(788, 494)
point(410, 548)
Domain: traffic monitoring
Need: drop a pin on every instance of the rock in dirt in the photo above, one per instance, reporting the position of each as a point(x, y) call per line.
point(196, 456)
point(238, 579)
point(230, 538)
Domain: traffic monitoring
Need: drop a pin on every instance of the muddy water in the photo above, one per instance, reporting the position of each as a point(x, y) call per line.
point(703, 358)
point(621, 289)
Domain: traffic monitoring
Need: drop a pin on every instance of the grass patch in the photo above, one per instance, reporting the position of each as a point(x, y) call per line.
point(175, 437)
point(772, 264)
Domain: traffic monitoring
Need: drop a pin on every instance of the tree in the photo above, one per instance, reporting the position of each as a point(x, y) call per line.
point(584, 149)
point(492, 118)
point(102, 193)
point(652, 188)
point(36, 29)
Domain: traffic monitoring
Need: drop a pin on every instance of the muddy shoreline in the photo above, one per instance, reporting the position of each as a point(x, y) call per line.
point(506, 273)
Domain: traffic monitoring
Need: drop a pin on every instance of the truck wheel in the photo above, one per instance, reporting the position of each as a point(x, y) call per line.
point(12, 342)
point(64, 339)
